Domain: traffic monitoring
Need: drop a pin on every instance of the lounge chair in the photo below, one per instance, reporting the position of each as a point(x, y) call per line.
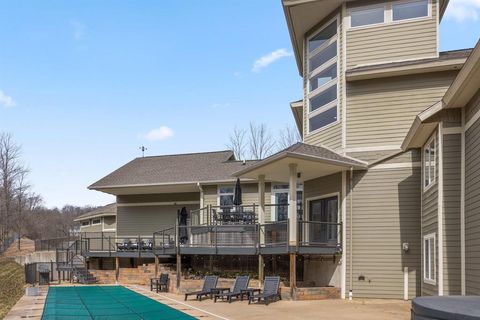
point(270, 291)
point(241, 283)
point(209, 283)
point(160, 284)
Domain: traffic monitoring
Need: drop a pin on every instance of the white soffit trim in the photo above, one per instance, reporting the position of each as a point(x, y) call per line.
point(169, 203)
point(376, 148)
point(400, 165)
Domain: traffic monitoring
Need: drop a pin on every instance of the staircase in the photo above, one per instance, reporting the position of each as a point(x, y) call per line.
point(69, 259)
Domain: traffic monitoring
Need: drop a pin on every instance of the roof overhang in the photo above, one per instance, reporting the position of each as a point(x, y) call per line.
point(276, 167)
point(408, 69)
point(297, 110)
point(99, 215)
point(303, 15)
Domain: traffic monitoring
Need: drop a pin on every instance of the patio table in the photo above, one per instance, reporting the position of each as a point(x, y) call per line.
point(248, 292)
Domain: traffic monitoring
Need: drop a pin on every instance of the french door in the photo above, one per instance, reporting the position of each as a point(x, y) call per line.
point(324, 216)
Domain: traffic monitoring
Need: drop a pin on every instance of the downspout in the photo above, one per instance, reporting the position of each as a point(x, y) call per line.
point(350, 294)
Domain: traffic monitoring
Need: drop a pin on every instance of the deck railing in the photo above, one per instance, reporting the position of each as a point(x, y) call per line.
point(317, 233)
point(54, 243)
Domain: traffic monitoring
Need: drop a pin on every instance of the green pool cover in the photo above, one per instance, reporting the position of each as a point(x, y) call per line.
point(105, 302)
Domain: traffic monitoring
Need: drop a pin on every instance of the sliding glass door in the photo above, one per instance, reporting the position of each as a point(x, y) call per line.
point(324, 216)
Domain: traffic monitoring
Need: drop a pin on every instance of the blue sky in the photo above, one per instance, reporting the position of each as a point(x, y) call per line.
point(83, 84)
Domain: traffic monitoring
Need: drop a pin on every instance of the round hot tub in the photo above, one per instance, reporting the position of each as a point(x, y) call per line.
point(446, 308)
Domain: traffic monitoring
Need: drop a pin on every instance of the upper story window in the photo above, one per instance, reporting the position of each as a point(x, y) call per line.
point(225, 195)
point(366, 16)
point(96, 221)
point(409, 10)
point(85, 223)
point(322, 77)
point(429, 161)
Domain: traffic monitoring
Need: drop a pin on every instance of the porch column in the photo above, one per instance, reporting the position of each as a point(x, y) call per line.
point(117, 268)
point(293, 274)
point(261, 207)
point(292, 205)
point(261, 268)
point(156, 266)
point(179, 270)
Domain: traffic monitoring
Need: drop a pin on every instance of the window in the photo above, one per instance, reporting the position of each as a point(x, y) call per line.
point(410, 10)
point(325, 212)
point(363, 17)
point(96, 221)
point(225, 195)
point(429, 258)
point(280, 198)
point(85, 223)
point(322, 77)
point(429, 161)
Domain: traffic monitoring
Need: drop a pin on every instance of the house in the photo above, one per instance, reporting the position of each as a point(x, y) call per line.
point(377, 201)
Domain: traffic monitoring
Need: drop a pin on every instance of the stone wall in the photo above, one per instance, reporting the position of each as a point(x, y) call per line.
point(317, 293)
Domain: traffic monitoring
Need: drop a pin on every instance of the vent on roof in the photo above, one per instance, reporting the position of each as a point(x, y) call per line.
point(244, 162)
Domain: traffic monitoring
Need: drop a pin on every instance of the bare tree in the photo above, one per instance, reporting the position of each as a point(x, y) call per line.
point(288, 136)
point(261, 143)
point(238, 143)
point(11, 172)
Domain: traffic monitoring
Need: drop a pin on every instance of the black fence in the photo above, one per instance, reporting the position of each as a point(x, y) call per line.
point(53, 244)
point(41, 272)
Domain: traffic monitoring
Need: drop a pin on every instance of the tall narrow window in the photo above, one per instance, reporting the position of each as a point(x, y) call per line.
point(322, 77)
point(429, 161)
point(429, 258)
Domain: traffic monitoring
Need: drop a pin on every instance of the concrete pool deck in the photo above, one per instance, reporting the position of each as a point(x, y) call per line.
point(359, 309)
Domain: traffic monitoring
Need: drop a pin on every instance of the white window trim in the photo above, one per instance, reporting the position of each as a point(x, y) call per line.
point(85, 225)
point(388, 20)
point(434, 181)
point(327, 64)
point(327, 85)
point(273, 211)
point(432, 281)
point(225, 194)
point(373, 6)
point(97, 223)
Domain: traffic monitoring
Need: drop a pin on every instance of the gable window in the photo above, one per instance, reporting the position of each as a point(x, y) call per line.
point(367, 16)
point(225, 195)
point(409, 10)
point(429, 162)
point(322, 77)
point(85, 223)
point(96, 221)
point(429, 258)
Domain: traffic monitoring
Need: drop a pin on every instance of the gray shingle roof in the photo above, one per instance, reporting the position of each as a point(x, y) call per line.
point(174, 169)
point(108, 210)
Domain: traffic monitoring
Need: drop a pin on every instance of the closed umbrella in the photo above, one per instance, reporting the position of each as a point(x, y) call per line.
point(237, 195)
point(183, 234)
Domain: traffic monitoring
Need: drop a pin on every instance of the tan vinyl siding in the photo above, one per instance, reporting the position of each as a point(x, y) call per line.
point(386, 213)
point(451, 213)
point(145, 220)
point(472, 203)
point(387, 156)
point(381, 111)
point(415, 39)
point(430, 223)
point(473, 107)
point(322, 186)
point(90, 228)
point(332, 136)
point(109, 223)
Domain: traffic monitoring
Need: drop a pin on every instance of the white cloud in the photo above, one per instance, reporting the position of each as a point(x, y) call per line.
point(463, 10)
point(270, 58)
point(79, 29)
point(6, 100)
point(159, 134)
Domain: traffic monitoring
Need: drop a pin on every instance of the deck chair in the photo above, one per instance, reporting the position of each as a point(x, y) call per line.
point(209, 283)
point(241, 283)
point(270, 291)
point(161, 285)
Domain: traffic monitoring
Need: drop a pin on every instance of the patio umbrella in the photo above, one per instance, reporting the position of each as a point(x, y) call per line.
point(237, 195)
point(183, 235)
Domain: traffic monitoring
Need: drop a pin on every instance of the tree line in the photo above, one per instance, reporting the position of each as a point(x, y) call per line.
point(258, 142)
point(22, 211)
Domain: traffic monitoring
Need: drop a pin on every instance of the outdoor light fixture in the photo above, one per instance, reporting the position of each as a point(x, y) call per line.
point(405, 246)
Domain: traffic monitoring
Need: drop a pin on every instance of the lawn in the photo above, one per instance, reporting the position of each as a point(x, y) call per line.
point(12, 279)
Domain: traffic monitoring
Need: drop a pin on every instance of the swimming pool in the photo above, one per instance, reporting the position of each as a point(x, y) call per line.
point(105, 302)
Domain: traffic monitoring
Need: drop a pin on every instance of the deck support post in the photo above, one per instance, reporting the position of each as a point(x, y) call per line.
point(261, 269)
point(261, 207)
point(179, 270)
point(292, 205)
point(117, 268)
point(293, 274)
point(156, 266)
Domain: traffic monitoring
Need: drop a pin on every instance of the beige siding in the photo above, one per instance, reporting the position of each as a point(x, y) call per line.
point(331, 136)
point(393, 42)
point(386, 213)
point(322, 186)
point(109, 223)
point(472, 203)
point(145, 220)
point(160, 197)
point(90, 228)
point(451, 214)
point(387, 156)
point(473, 107)
point(380, 112)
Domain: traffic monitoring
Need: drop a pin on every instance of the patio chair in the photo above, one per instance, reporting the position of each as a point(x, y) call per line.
point(241, 283)
point(160, 284)
point(209, 283)
point(270, 291)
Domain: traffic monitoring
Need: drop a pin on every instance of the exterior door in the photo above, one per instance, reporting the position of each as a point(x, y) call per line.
point(324, 215)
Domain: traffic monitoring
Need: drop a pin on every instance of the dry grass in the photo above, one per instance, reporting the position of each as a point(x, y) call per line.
point(12, 280)
point(26, 246)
